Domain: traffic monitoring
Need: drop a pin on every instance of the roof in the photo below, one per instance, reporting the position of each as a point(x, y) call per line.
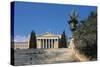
point(48, 34)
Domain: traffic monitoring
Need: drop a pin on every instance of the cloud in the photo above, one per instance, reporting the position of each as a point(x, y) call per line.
point(19, 38)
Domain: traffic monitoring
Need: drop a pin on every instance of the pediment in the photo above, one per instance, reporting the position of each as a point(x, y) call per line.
point(47, 34)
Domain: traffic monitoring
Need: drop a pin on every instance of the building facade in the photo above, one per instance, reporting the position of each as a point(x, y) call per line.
point(48, 40)
point(44, 41)
point(21, 45)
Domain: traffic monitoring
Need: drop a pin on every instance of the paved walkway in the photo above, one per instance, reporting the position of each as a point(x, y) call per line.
point(76, 53)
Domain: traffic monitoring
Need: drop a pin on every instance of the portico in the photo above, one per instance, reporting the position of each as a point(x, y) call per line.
point(47, 40)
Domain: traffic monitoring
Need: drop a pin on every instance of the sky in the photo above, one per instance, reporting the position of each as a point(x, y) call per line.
point(44, 17)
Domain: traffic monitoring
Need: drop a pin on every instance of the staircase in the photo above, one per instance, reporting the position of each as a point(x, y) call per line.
point(43, 56)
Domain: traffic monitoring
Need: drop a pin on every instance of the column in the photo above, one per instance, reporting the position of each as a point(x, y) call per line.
point(46, 43)
point(41, 43)
point(52, 43)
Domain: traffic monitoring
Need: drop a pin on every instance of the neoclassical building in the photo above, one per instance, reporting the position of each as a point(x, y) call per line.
point(45, 40)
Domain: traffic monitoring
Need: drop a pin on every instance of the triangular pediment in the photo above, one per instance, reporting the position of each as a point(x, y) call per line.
point(47, 34)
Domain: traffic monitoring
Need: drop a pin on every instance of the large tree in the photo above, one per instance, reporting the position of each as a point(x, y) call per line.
point(32, 42)
point(63, 41)
point(86, 36)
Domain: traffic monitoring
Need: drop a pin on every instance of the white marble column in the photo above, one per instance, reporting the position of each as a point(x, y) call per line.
point(45, 43)
point(52, 43)
point(48, 43)
point(41, 43)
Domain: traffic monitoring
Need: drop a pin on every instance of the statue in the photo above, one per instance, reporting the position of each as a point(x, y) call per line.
point(73, 20)
point(73, 26)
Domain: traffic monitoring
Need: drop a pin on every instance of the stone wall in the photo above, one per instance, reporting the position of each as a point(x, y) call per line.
point(42, 56)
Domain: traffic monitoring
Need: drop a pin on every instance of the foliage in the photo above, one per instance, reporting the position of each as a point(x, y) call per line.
point(63, 41)
point(86, 36)
point(32, 43)
point(73, 20)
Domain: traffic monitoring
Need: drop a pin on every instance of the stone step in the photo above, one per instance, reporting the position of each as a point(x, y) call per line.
point(40, 56)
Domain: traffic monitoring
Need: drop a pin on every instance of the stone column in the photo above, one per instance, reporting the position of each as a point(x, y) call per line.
point(44, 43)
point(53, 43)
point(41, 43)
point(57, 43)
point(48, 43)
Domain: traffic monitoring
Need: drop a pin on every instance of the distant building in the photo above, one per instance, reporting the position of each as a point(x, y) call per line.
point(21, 45)
point(45, 40)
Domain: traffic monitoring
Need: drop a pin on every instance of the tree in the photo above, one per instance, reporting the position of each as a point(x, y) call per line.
point(86, 36)
point(32, 42)
point(63, 41)
point(73, 21)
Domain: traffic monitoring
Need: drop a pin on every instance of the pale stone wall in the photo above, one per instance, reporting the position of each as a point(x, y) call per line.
point(45, 40)
point(21, 45)
point(38, 44)
point(56, 44)
point(45, 43)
